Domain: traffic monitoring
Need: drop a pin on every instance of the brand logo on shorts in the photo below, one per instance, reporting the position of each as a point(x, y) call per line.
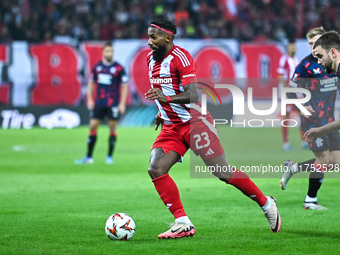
point(319, 142)
point(209, 152)
point(168, 205)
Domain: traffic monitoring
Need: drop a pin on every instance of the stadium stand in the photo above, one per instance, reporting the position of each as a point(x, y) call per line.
point(246, 20)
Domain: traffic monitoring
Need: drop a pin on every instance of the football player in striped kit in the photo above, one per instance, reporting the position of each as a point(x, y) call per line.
point(172, 73)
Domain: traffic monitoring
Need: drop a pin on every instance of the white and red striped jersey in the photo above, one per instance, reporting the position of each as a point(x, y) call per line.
point(176, 70)
point(287, 66)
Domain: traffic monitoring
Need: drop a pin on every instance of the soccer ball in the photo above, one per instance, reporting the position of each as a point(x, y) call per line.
point(120, 226)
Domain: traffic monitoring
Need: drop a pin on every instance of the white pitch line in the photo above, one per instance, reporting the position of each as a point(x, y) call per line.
point(18, 148)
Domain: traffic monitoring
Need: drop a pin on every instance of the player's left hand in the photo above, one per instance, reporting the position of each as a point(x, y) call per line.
point(311, 134)
point(154, 94)
point(121, 108)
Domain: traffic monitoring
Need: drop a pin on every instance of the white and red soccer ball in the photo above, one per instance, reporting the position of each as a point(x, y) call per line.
point(120, 226)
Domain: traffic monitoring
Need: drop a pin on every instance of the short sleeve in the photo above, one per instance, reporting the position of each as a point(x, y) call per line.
point(122, 74)
point(298, 79)
point(187, 69)
point(93, 74)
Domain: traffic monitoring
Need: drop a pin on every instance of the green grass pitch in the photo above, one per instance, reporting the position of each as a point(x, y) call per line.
point(49, 205)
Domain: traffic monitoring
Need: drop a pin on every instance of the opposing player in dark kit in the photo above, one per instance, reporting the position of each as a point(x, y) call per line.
point(322, 86)
point(172, 74)
point(110, 76)
point(327, 50)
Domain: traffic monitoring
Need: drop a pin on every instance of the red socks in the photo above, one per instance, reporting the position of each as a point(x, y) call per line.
point(242, 182)
point(93, 132)
point(168, 191)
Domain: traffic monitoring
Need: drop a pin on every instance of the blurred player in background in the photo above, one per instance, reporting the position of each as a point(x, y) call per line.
point(172, 73)
point(287, 65)
point(110, 101)
point(322, 86)
point(327, 50)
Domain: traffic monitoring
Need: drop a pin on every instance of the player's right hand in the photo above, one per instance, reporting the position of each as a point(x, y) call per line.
point(158, 121)
point(154, 94)
point(90, 105)
point(311, 134)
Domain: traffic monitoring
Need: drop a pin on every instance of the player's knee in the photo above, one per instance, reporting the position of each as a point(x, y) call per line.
point(155, 171)
point(323, 160)
point(334, 160)
point(93, 127)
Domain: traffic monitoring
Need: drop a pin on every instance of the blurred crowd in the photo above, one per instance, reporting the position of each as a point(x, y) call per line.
point(246, 20)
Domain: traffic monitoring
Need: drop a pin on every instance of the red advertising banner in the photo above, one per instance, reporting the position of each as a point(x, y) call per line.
point(57, 74)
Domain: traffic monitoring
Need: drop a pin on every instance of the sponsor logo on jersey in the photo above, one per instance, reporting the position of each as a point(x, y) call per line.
point(104, 79)
point(329, 84)
point(332, 81)
point(160, 80)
